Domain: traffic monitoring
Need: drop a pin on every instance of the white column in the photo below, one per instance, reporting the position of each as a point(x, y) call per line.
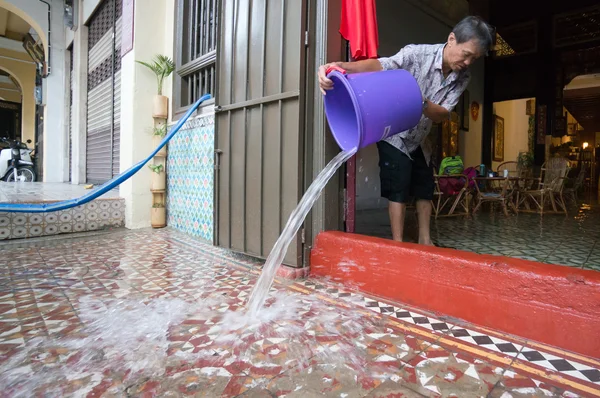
point(138, 87)
point(56, 143)
point(80, 66)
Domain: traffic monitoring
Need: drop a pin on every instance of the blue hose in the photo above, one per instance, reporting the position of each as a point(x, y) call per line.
point(67, 204)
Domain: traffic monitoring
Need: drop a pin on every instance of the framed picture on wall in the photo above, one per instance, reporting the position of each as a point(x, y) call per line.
point(465, 111)
point(572, 129)
point(498, 138)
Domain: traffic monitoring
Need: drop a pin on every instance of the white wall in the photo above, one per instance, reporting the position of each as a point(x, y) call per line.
point(138, 87)
point(55, 134)
point(516, 124)
point(401, 22)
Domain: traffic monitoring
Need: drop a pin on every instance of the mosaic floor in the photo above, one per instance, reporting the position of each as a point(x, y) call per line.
point(572, 240)
point(157, 313)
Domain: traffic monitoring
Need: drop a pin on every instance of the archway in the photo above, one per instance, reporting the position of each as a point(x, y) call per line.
point(10, 106)
point(32, 22)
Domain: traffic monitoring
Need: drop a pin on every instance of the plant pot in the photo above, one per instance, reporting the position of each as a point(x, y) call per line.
point(158, 217)
point(156, 139)
point(159, 182)
point(160, 107)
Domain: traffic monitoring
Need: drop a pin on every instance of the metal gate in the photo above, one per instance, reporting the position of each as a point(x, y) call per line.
point(259, 123)
point(104, 92)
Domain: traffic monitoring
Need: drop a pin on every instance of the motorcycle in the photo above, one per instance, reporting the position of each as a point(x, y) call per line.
point(16, 162)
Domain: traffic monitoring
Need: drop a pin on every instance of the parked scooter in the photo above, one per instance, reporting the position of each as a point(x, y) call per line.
point(16, 163)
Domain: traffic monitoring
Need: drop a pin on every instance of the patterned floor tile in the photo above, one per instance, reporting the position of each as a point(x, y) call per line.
point(513, 385)
point(486, 341)
point(568, 367)
point(156, 313)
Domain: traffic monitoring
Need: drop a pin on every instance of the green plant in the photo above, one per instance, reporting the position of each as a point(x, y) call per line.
point(160, 130)
point(162, 66)
point(525, 159)
point(157, 168)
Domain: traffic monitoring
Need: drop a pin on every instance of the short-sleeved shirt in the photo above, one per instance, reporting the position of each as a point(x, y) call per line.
point(424, 62)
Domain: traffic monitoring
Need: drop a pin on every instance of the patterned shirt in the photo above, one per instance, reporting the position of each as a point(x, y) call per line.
point(424, 62)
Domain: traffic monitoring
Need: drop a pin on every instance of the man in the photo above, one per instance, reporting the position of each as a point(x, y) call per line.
point(442, 73)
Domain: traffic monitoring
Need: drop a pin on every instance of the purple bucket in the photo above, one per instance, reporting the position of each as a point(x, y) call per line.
point(364, 108)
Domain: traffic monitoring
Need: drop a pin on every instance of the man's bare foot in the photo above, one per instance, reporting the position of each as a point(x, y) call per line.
point(427, 242)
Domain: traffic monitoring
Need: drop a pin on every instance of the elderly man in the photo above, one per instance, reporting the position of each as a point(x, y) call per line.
point(442, 73)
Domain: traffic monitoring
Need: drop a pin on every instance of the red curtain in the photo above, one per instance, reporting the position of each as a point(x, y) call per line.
point(359, 26)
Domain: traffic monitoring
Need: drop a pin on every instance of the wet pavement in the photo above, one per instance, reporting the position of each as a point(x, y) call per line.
point(157, 313)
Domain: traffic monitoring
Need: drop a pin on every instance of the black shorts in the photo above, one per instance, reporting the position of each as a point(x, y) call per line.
point(403, 178)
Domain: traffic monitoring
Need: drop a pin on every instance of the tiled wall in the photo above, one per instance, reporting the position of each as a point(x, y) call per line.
point(92, 216)
point(190, 171)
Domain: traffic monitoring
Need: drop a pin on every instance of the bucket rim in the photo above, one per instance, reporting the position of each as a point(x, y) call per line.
point(343, 78)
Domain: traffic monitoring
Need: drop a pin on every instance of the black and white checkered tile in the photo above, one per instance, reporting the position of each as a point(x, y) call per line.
point(489, 342)
point(562, 365)
point(514, 350)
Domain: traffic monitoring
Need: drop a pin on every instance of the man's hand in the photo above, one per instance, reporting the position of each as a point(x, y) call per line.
point(367, 65)
point(326, 84)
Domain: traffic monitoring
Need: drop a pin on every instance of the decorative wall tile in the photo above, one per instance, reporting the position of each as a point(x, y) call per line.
point(101, 213)
point(190, 171)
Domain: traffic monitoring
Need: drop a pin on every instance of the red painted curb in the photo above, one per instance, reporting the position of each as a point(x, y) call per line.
point(552, 304)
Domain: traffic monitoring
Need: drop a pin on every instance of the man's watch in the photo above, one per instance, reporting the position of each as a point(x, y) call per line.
point(425, 104)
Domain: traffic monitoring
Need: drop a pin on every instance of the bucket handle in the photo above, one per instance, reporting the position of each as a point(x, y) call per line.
point(335, 68)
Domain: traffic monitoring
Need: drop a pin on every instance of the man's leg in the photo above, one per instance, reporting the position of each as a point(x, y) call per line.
point(423, 186)
point(397, 213)
point(424, 214)
point(395, 174)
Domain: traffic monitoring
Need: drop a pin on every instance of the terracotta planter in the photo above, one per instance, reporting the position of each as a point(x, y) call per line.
point(160, 107)
point(159, 181)
point(158, 217)
point(156, 139)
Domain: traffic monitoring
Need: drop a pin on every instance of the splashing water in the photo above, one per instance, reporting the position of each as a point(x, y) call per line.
point(264, 283)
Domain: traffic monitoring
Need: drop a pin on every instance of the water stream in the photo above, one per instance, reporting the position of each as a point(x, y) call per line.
point(264, 283)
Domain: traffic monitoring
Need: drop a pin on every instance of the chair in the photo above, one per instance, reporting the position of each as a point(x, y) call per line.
point(573, 191)
point(450, 191)
point(493, 196)
point(514, 170)
point(549, 188)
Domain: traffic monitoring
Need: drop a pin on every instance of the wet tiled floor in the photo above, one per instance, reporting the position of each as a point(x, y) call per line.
point(572, 240)
point(157, 313)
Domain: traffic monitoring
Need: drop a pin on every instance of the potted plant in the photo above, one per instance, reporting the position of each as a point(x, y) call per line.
point(158, 177)
point(158, 217)
point(162, 67)
point(158, 133)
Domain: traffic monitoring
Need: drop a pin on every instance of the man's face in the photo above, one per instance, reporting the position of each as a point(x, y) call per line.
point(460, 56)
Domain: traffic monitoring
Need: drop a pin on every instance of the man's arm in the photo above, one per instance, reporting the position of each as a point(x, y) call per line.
point(439, 113)
point(367, 65)
point(402, 60)
point(436, 113)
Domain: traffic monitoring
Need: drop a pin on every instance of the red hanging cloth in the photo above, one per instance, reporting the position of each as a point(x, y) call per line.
point(359, 26)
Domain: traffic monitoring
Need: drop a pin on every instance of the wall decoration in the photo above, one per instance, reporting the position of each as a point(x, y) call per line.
point(541, 124)
point(190, 180)
point(560, 128)
point(572, 129)
point(498, 138)
point(449, 141)
point(464, 116)
point(474, 110)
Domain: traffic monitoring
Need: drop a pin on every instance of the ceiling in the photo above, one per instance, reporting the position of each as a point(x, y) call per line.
point(12, 26)
point(582, 99)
